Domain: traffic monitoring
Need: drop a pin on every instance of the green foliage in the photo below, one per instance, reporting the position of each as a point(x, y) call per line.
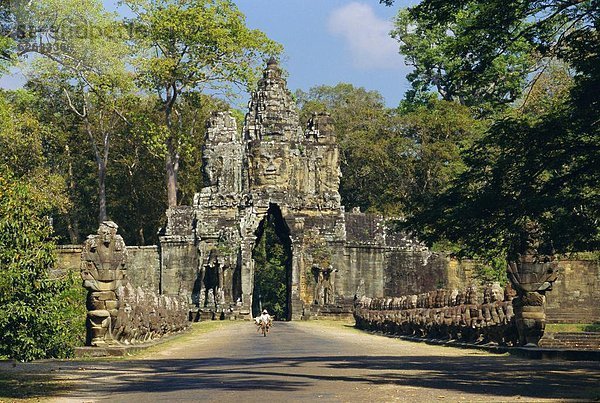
point(271, 257)
point(492, 270)
point(392, 161)
point(41, 316)
point(593, 327)
point(370, 143)
point(68, 154)
point(441, 55)
point(481, 51)
point(38, 317)
point(86, 66)
point(441, 132)
point(543, 168)
point(190, 47)
point(6, 59)
point(535, 163)
point(25, 143)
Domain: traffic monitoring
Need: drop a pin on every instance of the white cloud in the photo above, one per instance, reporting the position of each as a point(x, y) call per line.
point(367, 36)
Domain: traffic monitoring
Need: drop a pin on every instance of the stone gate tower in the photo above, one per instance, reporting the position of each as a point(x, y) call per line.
point(272, 167)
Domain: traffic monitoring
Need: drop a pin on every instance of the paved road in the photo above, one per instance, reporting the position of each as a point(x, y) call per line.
point(308, 361)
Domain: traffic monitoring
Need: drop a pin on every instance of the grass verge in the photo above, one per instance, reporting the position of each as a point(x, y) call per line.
point(23, 387)
point(346, 325)
point(197, 329)
point(572, 327)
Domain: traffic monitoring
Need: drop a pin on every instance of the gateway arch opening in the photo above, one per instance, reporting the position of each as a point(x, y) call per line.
point(272, 257)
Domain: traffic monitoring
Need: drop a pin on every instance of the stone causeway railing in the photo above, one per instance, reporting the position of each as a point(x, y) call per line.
point(119, 313)
point(466, 316)
point(145, 315)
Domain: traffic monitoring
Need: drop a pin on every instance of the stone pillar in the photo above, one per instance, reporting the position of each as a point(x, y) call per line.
point(247, 275)
point(295, 304)
point(178, 252)
point(103, 262)
point(531, 274)
point(178, 265)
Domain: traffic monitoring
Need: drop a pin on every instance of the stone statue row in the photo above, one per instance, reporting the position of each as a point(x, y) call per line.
point(117, 311)
point(467, 316)
point(147, 316)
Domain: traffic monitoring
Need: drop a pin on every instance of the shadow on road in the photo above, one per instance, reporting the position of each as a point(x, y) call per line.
point(495, 376)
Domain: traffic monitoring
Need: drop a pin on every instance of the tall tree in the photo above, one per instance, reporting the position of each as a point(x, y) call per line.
point(136, 190)
point(370, 142)
point(186, 47)
point(68, 155)
point(88, 65)
point(444, 61)
point(540, 163)
point(8, 33)
point(440, 132)
point(487, 48)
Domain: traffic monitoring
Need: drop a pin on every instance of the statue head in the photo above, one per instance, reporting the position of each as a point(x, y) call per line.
point(497, 292)
point(107, 232)
point(269, 165)
point(213, 168)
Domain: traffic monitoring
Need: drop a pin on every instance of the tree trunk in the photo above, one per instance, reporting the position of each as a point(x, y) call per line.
point(102, 191)
point(141, 238)
point(172, 158)
point(171, 166)
point(71, 219)
point(72, 229)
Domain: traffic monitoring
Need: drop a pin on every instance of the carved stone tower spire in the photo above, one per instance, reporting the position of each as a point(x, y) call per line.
point(272, 112)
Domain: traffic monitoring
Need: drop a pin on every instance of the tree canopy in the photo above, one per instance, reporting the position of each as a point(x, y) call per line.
point(477, 51)
point(188, 47)
point(392, 159)
point(538, 161)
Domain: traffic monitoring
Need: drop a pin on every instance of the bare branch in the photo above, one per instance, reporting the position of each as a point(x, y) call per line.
point(82, 114)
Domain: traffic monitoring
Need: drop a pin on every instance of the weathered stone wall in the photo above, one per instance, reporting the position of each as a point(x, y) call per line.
point(467, 316)
point(143, 267)
point(575, 296)
point(379, 263)
point(68, 259)
point(142, 261)
point(143, 314)
point(418, 271)
point(361, 271)
point(370, 270)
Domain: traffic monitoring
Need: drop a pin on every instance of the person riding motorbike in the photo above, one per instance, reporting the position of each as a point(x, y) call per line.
point(264, 320)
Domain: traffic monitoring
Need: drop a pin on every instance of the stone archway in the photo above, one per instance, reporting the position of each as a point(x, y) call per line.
point(272, 263)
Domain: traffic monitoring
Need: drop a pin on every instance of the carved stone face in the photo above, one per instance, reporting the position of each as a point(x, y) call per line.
point(106, 234)
point(213, 168)
point(269, 165)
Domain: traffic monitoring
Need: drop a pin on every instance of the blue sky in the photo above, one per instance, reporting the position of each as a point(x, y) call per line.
point(332, 41)
point(326, 42)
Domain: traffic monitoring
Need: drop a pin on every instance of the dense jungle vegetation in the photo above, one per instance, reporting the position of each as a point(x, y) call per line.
point(501, 126)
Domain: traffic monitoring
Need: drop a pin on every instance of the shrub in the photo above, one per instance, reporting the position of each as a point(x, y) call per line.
point(40, 316)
